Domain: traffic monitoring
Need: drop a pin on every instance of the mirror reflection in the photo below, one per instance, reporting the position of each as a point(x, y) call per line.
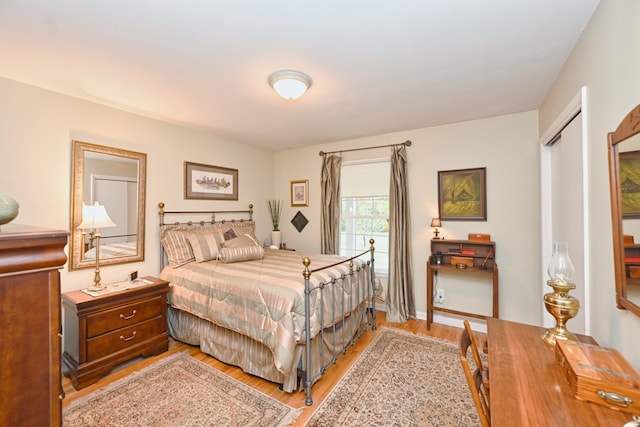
point(624, 177)
point(629, 175)
point(115, 179)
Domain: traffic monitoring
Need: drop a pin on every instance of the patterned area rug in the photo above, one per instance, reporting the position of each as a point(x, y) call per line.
point(178, 391)
point(415, 381)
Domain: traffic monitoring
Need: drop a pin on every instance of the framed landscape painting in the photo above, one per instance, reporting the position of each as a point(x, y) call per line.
point(210, 182)
point(462, 195)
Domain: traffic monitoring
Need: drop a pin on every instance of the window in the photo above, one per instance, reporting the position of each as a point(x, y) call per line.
point(364, 210)
point(361, 219)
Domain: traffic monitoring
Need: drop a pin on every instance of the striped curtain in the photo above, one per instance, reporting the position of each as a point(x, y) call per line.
point(330, 196)
point(400, 300)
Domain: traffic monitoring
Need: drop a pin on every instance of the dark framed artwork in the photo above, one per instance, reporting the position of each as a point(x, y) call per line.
point(299, 221)
point(630, 184)
point(462, 195)
point(210, 182)
point(300, 193)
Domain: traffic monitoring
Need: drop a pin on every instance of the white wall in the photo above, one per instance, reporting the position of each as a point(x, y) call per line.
point(36, 130)
point(607, 60)
point(507, 146)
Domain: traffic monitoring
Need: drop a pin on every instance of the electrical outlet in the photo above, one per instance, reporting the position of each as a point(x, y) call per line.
point(440, 296)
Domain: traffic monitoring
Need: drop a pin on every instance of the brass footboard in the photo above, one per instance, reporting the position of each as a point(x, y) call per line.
point(365, 315)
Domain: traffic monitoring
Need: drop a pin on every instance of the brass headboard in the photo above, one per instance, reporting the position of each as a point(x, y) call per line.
point(200, 222)
point(162, 213)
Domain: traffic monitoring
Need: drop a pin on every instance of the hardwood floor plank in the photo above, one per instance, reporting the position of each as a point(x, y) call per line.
point(297, 399)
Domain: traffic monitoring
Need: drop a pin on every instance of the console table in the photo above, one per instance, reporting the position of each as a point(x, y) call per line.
point(479, 257)
point(528, 387)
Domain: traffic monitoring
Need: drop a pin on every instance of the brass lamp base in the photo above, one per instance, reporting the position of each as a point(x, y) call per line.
point(562, 307)
point(97, 286)
point(552, 335)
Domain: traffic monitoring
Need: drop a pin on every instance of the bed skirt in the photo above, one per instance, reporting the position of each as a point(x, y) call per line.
point(256, 359)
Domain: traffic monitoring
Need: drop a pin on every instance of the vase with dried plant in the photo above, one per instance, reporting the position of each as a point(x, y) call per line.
point(275, 209)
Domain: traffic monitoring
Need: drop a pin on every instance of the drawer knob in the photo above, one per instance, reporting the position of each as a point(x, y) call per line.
point(129, 338)
point(133, 313)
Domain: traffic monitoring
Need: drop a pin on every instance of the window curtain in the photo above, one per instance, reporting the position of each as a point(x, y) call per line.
point(400, 298)
point(330, 196)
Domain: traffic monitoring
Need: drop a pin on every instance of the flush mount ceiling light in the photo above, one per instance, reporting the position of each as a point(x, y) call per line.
point(290, 84)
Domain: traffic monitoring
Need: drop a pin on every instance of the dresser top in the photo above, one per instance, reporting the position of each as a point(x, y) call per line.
point(25, 231)
point(25, 248)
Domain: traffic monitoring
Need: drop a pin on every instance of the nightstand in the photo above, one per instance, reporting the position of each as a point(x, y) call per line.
point(101, 332)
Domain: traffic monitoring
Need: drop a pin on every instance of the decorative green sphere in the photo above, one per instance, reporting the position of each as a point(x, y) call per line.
point(8, 208)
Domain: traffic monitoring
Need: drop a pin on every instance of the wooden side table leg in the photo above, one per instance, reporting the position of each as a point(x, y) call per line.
point(429, 296)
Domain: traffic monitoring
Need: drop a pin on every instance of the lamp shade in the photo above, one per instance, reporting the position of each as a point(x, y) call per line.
point(435, 222)
point(95, 216)
point(290, 84)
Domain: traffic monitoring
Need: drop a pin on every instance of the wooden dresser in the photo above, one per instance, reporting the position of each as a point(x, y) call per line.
point(30, 338)
point(106, 330)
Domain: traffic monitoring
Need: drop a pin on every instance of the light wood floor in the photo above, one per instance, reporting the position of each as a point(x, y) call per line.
point(320, 390)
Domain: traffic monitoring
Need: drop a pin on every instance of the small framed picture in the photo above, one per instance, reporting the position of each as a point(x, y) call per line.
point(210, 182)
point(300, 193)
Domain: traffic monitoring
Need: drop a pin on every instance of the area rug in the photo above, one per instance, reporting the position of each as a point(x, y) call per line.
point(401, 379)
point(178, 391)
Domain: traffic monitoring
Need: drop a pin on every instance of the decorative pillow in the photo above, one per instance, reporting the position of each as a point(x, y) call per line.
point(230, 234)
point(177, 247)
point(247, 253)
point(241, 248)
point(240, 227)
point(204, 245)
point(240, 242)
point(243, 227)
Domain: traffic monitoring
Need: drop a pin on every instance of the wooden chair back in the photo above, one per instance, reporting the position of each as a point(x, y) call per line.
point(474, 346)
point(474, 380)
point(484, 370)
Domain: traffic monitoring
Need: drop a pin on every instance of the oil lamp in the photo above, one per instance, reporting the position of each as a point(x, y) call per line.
point(559, 303)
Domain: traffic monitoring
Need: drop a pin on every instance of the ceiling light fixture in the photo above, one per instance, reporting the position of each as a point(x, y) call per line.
point(290, 84)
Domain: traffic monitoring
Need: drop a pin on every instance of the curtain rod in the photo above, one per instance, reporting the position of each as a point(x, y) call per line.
point(407, 143)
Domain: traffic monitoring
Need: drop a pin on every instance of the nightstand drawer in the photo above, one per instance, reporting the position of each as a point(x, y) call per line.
point(124, 338)
point(124, 315)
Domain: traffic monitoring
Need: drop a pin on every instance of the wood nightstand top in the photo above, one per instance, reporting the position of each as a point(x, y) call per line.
point(80, 298)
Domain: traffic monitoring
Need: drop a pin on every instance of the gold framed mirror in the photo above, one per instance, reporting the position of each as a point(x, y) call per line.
point(624, 179)
point(116, 179)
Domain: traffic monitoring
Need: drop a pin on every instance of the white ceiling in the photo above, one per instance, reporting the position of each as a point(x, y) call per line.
point(377, 66)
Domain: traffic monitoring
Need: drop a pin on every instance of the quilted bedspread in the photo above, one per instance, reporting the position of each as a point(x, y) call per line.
point(264, 299)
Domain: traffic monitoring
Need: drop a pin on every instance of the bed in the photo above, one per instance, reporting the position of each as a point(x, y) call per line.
point(282, 315)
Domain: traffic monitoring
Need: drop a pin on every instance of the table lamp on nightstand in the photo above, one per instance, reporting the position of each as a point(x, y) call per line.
point(95, 217)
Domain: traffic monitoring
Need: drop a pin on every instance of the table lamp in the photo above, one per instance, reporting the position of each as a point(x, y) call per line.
point(95, 217)
point(435, 222)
